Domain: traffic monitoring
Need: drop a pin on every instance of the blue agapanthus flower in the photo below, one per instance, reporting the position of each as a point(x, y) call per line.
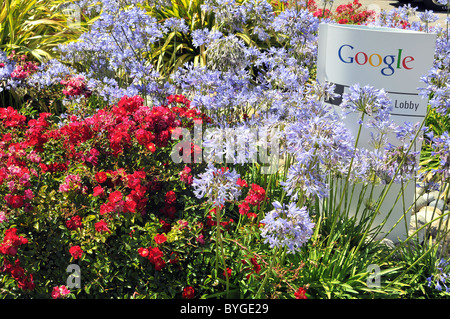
point(218, 185)
point(287, 226)
point(440, 278)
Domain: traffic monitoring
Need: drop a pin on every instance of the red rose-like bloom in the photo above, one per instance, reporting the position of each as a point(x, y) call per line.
point(106, 208)
point(115, 196)
point(160, 238)
point(227, 273)
point(102, 226)
point(185, 175)
point(15, 201)
point(144, 252)
point(11, 241)
point(129, 206)
point(171, 197)
point(159, 264)
point(74, 222)
point(98, 191)
point(154, 254)
point(300, 293)
point(242, 182)
point(188, 293)
point(76, 252)
point(101, 177)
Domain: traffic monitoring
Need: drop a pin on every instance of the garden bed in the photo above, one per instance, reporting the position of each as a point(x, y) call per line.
point(183, 150)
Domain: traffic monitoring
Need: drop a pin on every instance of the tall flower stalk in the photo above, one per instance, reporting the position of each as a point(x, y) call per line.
point(218, 185)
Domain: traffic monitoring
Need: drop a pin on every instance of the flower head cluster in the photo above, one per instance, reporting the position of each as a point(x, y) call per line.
point(287, 226)
point(368, 101)
point(185, 175)
point(117, 43)
point(440, 278)
point(154, 255)
point(71, 182)
point(24, 71)
point(74, 222)
point(255, 267)
point(24, 281)
point(102, 227)
point(256, 195)
point(428, 16)
point(76, 252)
point(188, 292)
point(300, 293)
point(320, 145)
point(217, 184)
point(352, 13)
point(300, 28)
point(226, 53)
point(169, 208)
point(60, 292)
point(75, 86)
point(11, 241)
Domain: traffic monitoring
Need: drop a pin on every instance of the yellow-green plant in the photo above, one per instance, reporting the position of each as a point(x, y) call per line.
point(177, 48)
point(35, 27)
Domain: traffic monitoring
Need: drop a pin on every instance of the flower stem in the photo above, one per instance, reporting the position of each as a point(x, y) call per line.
point(222, 250)
point(268, 271)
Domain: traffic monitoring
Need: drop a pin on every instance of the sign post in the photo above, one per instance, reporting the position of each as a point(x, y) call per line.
point(384, 58)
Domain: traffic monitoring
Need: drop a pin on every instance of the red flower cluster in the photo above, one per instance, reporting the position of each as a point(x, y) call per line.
point(117, 201)
point(12, 118)
point(24, 281)
point(24, 70)
point(350, 13)
point(169, 208)
point(76, 252)
point(86, 145)
point(154, 255)
point(185, 175)
point(60, 292)
point(188, 293)
point(255, 268)
point(74, 223)
point(160, 239)
point(256, 195)
point(300, 293)
point(17, 161)
point(75, 86)
point(54, 167)
point(185, 111)
point(102, 226)
point(11, 241)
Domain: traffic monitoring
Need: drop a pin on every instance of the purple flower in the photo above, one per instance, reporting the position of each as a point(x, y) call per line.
point(176, 25)
point(440, 278)
point(287, 226)
point(217, 184)
point(372, 102)
point(319, 145)
point(428, 16)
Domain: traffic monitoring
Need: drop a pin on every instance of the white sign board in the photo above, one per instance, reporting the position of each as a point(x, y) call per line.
point(385, 58)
